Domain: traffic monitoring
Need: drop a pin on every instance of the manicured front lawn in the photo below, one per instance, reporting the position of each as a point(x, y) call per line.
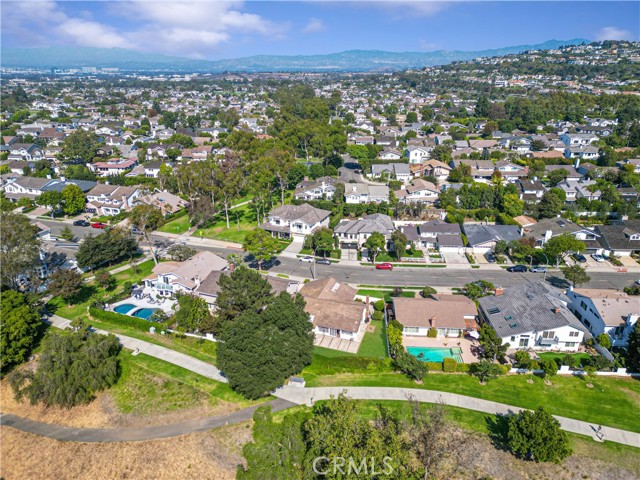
point(386, 294)
point(246, 221)
point(374, 344)
point(177, 226)
point(612, 401)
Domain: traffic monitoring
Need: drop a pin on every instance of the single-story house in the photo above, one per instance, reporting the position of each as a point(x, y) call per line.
point(450, 315)
point(483, 238)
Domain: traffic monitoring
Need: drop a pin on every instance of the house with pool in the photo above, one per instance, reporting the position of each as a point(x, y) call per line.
point(438, 327)
point(169, 278)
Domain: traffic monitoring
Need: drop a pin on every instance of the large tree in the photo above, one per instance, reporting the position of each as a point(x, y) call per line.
point(147, 218)
point(110, 246)
point(260, 350)
point(576, 275)
point(80, 145)
point(244, 290)
point(193, 315)
point(375, 244)
point(51, 199)
point(550, 205)
point(261, 245)
point(491, 343)
point(19, 247)
point(399, 240)
point(65, 283)
point(73, 198)
point(537, 436)
point(562, 245)
point(322, 240)
point(71, 369)
point(633, 350)
point(19, 322)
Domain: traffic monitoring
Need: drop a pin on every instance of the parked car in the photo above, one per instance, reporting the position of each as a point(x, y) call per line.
point(538, 269)
point(597, 257)
point(491, 258)
point(99, 225)
point(579, 258)
point(307, 259)
point(81, 223)
point(384, 266)
point(638, 282)
point(323, 261)
point(517, 268)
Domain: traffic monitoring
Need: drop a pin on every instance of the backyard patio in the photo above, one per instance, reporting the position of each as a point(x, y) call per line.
point(467, 346)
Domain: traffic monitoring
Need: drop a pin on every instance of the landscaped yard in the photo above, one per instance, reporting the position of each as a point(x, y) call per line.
point(611, 402)
point(246, 221)
point(374, 344)
point(177, 226)
point(385, 293)
point(559, 356)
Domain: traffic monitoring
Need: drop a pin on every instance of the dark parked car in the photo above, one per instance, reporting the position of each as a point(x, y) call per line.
point(491, 258)
point(323, 261)
point(81, 223)
point(579, 258)
point(517, 268)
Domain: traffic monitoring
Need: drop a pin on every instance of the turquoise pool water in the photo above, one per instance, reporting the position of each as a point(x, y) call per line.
point(144, 313)
point(124, 308)
point(437, 354)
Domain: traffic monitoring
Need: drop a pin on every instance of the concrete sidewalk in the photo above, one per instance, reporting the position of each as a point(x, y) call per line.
point(153, 350)
point(308, 396)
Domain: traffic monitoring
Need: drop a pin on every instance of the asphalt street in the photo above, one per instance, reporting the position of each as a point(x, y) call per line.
point(400, 276)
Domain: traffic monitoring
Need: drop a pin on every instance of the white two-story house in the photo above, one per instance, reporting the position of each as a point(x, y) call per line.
point(111, 199)
point(418, 191)
point(296, 221)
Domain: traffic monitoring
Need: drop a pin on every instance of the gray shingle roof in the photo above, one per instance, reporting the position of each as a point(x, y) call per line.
point(377, 222)
point(528, 308)
point(479, 234)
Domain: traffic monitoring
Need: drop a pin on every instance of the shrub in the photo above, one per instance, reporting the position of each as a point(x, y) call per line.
point(427, 291)
point(410, 365)
point(523, 358)
point(449, 365)
point(395, 323)
point(632, 290)
point(462, 367)
point(379, 305)
point(485, 370)
point(569, 361)
point(604, 340)
point(432, 333)
point(434, 366)
point(377, 316)
point(119, 319)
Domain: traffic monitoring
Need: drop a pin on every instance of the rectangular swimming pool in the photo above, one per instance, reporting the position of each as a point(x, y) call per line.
point(436, 354)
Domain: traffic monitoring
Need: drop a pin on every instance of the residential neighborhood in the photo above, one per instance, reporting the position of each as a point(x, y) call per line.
point(188, 253)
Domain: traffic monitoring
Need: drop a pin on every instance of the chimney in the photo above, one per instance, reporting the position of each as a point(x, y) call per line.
point(556, 310)
point(125, 204)
point(547, 235)
point(306, 179)
point(197, 280)
point(432, 320)
point(499, 291)
point(232, 267)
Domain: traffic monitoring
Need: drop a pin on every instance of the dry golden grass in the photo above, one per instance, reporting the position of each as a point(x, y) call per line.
point(210, 455)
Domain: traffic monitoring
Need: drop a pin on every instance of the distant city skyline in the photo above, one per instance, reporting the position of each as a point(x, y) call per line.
point(215, 30)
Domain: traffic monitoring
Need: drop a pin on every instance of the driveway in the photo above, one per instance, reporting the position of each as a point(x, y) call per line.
point(455, 258)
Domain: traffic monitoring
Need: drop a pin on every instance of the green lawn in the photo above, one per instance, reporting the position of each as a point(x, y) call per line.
point(177, 226)
point(151, 386)
point(559, 356)
point(246, 221)
point(611, 402)
point(385, 293)
point(374, 344)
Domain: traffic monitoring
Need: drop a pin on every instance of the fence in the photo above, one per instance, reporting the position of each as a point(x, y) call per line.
point(566, 370)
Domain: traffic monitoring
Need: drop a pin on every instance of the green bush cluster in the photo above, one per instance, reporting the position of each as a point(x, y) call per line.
point(377, 315)
point(449, 365)
point(379, 305)
point(432, 333)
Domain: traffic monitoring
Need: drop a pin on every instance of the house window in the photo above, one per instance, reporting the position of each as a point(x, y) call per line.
point(574, 334)
point(513, 338)
point(583, 306)
point(524, 342)
point(548, 334)
point(570, 344)
point(410, 330)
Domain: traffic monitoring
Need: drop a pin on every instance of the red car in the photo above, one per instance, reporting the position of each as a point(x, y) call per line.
point(99, 225)
point(384, 266)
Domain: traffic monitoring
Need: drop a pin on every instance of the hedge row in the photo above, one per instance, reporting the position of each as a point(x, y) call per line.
point(450, 366)
point(116, 319)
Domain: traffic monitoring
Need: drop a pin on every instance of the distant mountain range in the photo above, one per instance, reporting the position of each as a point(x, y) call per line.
point(352, 60)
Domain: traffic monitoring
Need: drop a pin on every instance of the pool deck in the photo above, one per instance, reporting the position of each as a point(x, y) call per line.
point(144, 303)
point(443, 342)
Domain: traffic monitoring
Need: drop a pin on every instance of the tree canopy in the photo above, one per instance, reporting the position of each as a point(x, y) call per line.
point(261, 245)
point(491, 343)
point(19, 322)
point(537, 436)
point(19, 247)
point(110, 246)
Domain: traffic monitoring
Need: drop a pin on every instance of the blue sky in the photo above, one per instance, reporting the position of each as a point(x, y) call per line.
point(231, 29)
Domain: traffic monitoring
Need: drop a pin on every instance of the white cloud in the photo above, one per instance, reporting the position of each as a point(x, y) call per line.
point(403, 9)
point(314, 26)
point(190, 28)
point(614, 33)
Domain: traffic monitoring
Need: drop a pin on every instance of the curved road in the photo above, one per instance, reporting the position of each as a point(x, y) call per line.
point(290, 396)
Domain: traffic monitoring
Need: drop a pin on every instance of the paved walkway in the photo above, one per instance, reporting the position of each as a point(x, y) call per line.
point(307, 396)
point(69, 434)
point(162, 353)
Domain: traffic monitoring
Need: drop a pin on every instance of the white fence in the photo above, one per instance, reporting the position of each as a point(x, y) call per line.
point(566, 370)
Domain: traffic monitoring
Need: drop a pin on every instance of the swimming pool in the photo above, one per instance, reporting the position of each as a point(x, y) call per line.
point(144, 313)
point(436, 354)
point(125, 308)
